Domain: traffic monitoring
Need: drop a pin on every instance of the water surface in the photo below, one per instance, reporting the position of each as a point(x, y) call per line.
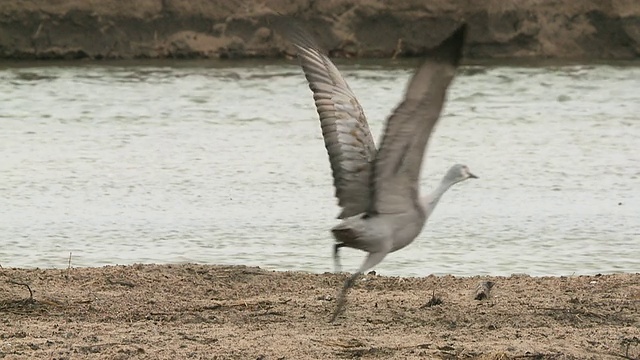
point(225, 164)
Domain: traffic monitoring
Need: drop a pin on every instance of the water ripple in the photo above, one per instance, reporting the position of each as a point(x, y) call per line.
point(225, 164)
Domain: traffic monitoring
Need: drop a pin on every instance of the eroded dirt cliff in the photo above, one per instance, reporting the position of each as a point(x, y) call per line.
point(585, 29)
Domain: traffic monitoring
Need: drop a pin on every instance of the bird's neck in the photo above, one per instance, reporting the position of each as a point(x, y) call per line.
point(430, 201)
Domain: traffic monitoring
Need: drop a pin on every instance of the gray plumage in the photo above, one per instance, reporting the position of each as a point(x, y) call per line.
point(378, 191)
point(344, 127)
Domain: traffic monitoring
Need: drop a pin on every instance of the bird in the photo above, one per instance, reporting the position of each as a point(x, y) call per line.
point(378, 189)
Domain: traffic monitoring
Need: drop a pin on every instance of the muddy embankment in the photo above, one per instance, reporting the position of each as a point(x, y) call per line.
point(99, 29)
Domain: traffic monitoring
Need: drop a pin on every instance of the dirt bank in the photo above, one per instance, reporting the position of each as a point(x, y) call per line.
point(215, 312)
point(584, 29)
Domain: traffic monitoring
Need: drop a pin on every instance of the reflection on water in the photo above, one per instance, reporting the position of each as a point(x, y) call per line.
point(196, 162)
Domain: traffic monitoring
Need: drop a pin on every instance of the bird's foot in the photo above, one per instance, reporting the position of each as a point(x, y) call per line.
point(342, 298)
point(372, 260)
point(339, 309)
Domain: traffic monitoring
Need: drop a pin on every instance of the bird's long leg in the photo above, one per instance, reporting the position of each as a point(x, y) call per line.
point(342, 298)
point(372, 260)
point(336, 256)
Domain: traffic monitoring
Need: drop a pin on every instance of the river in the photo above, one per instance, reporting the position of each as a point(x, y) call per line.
point(223, 163)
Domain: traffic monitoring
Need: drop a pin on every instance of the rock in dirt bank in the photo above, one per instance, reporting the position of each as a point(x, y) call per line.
point(98, 29)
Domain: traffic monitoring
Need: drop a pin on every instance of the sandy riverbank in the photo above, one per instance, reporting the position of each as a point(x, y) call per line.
point(221, 312)
point(532, 29)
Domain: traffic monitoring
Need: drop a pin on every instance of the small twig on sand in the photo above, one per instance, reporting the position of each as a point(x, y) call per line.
point(627, 342)
point(86, 348)
point(69, 267)
point(626, 357)
point(435, 300)
point(537, 355)
point(121, 282)
point(15, 282)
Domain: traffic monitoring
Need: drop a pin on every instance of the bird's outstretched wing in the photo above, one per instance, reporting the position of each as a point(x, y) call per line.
point(344, 126)
point(396, 169)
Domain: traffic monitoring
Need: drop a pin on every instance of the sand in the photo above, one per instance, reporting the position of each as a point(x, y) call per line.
point(221, 312)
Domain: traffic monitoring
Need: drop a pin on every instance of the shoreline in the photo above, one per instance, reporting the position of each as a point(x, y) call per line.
point(408, 63)
point(229, 312)
point(66, 268)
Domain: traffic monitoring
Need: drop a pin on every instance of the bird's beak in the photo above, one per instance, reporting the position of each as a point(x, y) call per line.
point(471, 176)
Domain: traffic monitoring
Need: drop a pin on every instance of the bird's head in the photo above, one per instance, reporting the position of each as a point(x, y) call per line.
point(457, 173)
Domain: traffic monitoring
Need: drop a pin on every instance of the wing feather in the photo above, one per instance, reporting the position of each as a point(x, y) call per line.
point(346, 133)
point(396, 169)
